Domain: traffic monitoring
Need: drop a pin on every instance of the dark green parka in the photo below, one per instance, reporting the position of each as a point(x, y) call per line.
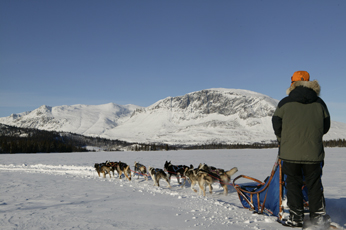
point(300, 121)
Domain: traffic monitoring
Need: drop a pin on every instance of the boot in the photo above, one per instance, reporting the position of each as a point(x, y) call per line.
point(322, 221)
point(293, 221)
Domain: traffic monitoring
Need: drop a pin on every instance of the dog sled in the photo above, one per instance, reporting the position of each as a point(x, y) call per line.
point(267, 197)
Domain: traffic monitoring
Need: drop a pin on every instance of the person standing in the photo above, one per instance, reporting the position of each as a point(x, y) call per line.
point(299, 122)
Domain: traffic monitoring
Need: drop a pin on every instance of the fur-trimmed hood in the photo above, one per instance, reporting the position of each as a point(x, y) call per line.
point(304, 91)
point(308, 84)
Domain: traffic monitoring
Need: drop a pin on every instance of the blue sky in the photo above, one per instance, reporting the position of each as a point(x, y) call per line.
point(138, 52)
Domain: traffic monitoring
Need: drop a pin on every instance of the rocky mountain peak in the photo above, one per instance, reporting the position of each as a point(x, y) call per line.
point(220, 101)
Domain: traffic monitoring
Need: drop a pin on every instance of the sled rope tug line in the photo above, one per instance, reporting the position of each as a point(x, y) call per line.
point(175, 173)
point(140, 173)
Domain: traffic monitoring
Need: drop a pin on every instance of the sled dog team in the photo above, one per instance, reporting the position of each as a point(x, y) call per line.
point(203, 175)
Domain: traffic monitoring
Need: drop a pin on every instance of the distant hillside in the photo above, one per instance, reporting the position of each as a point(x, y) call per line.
point(212, 116)
point(27, 140)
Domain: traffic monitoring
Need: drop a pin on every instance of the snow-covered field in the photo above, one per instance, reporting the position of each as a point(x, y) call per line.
point(63, 191)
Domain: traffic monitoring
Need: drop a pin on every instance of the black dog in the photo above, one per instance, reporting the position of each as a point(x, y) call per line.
point(175, 170)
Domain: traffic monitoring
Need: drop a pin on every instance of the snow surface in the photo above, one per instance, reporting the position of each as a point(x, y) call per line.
point(63, 191)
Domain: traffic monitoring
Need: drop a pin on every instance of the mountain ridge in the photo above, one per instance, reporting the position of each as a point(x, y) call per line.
point(216, 115)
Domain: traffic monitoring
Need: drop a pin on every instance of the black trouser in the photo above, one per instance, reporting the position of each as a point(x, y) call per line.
point(294, 183)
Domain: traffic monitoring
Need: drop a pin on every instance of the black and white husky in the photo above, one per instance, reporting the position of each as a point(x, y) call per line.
point(176, 170)
point(140, 169)
point(157, 174)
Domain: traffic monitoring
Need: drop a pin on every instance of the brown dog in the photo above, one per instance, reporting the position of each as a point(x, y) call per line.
point(103, 168)
point(208, 178)
point(124, 168)
point(140, 169)
point(191, 174)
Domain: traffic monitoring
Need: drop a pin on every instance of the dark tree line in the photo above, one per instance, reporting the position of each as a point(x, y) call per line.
point(335, 143)
point(14, 140)
point(234, 146)
point(153, 147)
point(27, 140)
point(274, 144)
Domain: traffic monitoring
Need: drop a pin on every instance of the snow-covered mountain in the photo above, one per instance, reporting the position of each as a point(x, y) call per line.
point(213, 115)
point(207, 116)
point(82, 119)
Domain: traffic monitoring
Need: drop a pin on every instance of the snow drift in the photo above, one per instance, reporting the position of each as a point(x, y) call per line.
point(63, 191)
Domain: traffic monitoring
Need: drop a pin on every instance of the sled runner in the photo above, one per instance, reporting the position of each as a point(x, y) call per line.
point(268, 197)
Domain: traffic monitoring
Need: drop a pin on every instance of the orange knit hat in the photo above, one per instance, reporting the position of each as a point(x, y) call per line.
point(300, 76)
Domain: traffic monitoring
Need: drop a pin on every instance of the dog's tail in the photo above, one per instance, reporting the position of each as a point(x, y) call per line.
point(207, 178)
point(232, 171)
point(127, 170)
